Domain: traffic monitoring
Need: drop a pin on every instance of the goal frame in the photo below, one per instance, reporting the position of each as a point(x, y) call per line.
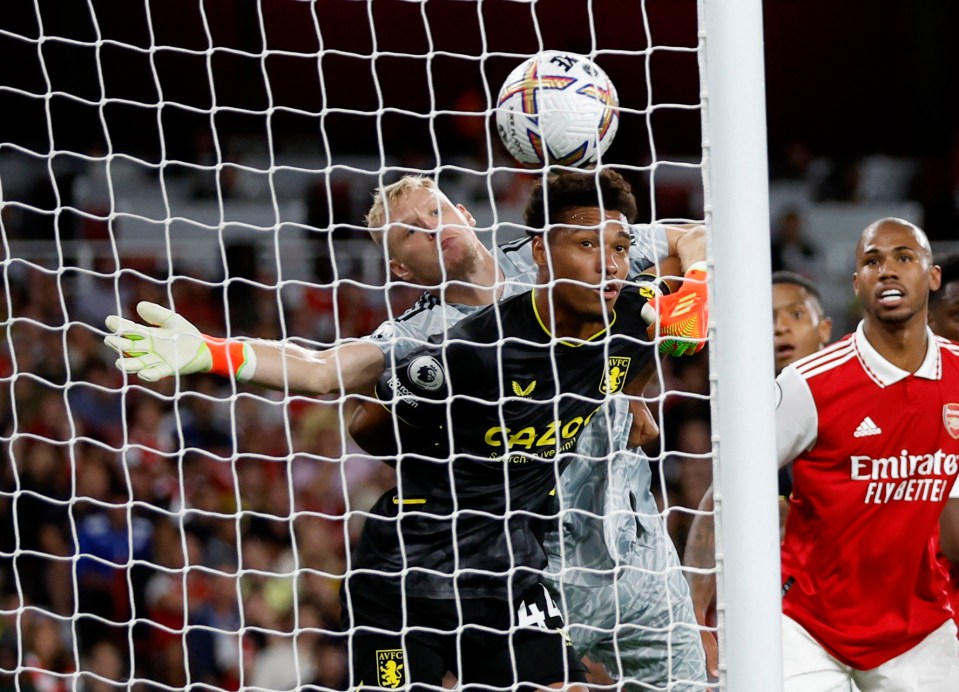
point(735, 185)
point(749, 606)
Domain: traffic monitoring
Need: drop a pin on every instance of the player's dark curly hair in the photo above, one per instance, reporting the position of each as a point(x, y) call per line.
point(792, 278)
point(950, 273)
point(568, 188)
point(787, 277)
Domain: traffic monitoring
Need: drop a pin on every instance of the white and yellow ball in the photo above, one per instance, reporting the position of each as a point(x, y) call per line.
point(557, 108)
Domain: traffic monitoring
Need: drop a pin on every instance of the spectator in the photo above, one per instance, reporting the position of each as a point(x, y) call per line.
point(792, 250)
point(103, 669)
point(46, 655)
point(841, 183)
point(214, 644)
point(289, 660)
point(41, 520)
point(110, 538)
point(166, 600)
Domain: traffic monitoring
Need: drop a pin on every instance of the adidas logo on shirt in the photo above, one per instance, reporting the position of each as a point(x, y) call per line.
point(867, 428)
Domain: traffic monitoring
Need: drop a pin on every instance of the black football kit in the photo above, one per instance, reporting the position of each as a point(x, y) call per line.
point(487, 420)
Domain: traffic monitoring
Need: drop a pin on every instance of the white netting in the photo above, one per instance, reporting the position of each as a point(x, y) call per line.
point(218, 158)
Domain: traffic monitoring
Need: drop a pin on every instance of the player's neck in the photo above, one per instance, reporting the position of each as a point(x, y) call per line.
point(482, 285)
point(902, 345)
point(561, 322)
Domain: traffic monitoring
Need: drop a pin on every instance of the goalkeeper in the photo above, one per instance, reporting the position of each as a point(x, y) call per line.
point(428, 239)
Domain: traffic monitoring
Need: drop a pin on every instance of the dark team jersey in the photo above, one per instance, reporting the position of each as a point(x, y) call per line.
point(488, 419)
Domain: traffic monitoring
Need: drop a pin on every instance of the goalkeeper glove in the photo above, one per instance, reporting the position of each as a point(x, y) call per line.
point(681, 319)
point(174, 346)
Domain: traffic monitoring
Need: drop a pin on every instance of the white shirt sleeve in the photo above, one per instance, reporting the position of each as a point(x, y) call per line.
point(797, 420)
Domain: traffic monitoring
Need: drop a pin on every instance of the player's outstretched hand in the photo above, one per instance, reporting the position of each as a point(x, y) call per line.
point(682, 318)
point(172, 345)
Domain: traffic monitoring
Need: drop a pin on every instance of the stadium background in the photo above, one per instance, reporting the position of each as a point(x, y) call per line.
point(862, 122)
point(860, 107)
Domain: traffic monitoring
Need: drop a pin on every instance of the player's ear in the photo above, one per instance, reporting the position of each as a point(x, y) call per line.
point(401, 270)
point(825, 331)
point(935, 277)
point(539, 251)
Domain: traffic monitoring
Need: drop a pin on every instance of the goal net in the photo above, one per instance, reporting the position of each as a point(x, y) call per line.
point(218, 158)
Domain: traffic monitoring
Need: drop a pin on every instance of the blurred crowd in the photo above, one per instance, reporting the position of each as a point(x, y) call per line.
point(187, 532)
point(195, 531)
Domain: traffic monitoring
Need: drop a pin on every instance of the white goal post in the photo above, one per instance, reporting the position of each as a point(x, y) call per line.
point(218, 158)
point(744, 427)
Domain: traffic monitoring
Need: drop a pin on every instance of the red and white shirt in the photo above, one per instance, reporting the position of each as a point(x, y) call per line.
point(876, 453)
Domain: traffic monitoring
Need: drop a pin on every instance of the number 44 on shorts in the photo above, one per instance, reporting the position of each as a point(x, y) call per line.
point(538, 609)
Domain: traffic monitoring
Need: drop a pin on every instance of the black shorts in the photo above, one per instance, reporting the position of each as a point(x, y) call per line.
point(469, 638)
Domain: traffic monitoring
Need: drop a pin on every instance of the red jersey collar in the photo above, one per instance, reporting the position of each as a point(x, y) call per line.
point(884, 372)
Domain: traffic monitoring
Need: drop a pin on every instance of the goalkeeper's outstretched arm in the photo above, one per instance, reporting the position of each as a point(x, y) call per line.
point(350, 368)
point(169, 344)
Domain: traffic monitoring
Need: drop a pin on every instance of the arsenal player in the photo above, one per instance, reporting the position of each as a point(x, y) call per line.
point(872, 426)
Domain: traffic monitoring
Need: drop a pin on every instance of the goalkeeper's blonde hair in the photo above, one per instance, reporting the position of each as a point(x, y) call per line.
point(384, 197)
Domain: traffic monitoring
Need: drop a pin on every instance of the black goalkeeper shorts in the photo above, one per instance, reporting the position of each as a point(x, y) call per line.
point(469, 638)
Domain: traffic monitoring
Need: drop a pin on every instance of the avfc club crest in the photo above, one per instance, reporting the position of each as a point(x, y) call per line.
point(391, 670)
point(615, 375)
point(950, 418)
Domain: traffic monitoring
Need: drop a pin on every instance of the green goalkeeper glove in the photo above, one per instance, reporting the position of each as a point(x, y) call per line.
point(174, 346)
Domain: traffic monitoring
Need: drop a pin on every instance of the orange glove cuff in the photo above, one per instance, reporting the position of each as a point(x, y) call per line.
point(229, 357)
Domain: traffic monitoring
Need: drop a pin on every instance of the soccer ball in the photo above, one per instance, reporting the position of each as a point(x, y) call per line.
point(557, 108)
